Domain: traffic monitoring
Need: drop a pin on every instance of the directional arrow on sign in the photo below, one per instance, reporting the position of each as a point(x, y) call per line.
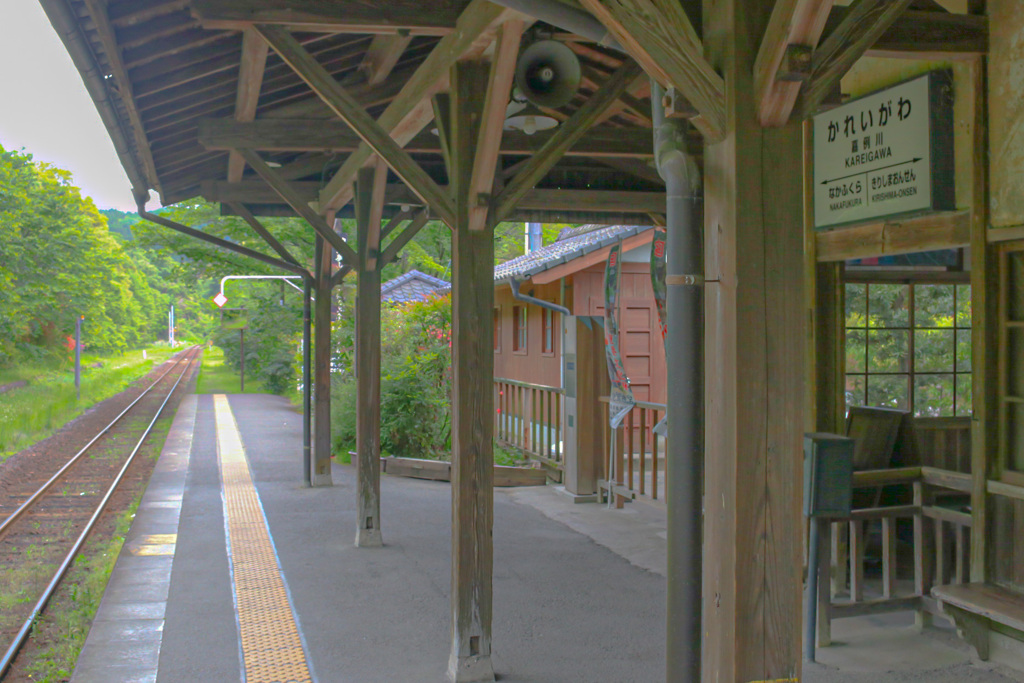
point(870, 170)
point(220, 299)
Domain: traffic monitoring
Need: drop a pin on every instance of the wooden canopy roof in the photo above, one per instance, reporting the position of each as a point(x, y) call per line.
point(180, 83)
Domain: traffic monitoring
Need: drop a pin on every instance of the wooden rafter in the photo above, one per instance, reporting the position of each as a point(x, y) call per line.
point(301, 207)
point(98, 11)
point(311, 135)
point(488, 141)
point(865, 22)
point(261, 230)
point(339, 16)
point(567, 134)
point(250, 78)
point(793, 22)
point(350, 111)
point(382, 56)
point(411, 109)
point(925, 34)
point(659, 35)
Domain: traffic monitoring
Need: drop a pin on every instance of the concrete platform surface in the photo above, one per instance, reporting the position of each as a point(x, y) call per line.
point(578, 589)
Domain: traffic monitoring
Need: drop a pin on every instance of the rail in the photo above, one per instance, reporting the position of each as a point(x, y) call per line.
point(528, 417)
point(633, 458)
point(939, 531)
point(24, 632)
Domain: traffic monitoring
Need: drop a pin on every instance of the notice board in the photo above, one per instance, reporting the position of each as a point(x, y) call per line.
point(886, 154)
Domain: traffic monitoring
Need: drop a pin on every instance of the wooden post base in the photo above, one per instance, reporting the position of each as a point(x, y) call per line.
point(369, 538)
point(471, 668)
point(974, 629)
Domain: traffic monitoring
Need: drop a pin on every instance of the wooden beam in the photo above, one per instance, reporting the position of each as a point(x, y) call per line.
point(441, 105)
point(393, 224)
point(368, 333)
point(403, 238)
point(382, 56)
point(339, 16)
point(496, 96)
point(566, 136)
point(262, 231)
point(350, 111)
point(284, 189)
point(918, 34)
point(375, 179)
point(250, 78)
point(317, 135)
point(472, 423)
point(411, 109)
point(793, 22)
point(658, 35)
point(339, 275)
point(895, 236)
point(864, 23)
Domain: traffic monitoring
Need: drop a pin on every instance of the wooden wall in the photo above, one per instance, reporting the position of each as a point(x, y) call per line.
point(1006, 113)
point(533, 366)
point(1006, 549)
point(943, 442)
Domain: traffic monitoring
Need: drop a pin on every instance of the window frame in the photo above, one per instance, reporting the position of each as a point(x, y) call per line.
point(520, 330)
point(547, 332)
point(955, 280)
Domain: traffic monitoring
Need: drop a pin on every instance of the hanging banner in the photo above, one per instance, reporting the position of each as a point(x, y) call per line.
point(659, 268)
point(621, 400)
point(886, 154)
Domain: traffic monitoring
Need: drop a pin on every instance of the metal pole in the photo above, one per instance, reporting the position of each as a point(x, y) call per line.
point(685, 398)
point(241, 356)
point(78, 357)
point(811, 604)
point(307, 389)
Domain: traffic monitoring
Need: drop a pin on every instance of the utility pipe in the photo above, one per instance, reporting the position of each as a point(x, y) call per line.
point(527, 299)
point(684, 453)
point(307, 388)
point(565, 17)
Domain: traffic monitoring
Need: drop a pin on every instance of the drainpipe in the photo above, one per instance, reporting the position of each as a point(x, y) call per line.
point(565, 17)
point(684, 457)
point(526, 299)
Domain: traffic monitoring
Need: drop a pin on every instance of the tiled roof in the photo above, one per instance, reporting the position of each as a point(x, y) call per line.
point(411, 286)
point(571, 244)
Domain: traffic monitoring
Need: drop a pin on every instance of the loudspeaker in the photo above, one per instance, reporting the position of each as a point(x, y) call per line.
point(548, 73)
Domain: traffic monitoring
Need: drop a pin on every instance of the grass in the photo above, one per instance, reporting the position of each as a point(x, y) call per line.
point(34, 412)
point(217, 378)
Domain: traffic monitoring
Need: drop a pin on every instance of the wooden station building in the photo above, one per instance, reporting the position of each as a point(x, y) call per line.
point(393, 112)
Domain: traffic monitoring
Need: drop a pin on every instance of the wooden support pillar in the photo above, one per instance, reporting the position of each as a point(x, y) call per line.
point(321, 470)
point(368, 533)
point(472, 398)
point(754, 346)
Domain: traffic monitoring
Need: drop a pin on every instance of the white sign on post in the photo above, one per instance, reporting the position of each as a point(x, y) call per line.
point(886, 153)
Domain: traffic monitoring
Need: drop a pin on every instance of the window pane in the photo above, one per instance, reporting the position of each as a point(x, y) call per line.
point(933, 395)
point(1015, 437)
point(1015, 276)
point(963, 394)
point(933, 306)
point(887, 351)
point(855, 305)
point(963, 305)
point(855, 390)
point(888, 392)
point(933, 350)
point(887, 305)
point(1015, 371)
point(963, 350)
point(855, 350)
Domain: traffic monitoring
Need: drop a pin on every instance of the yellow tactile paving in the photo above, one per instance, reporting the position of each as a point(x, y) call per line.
point(271, 647)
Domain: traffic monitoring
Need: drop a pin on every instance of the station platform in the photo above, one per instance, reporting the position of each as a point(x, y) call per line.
point(233, 570)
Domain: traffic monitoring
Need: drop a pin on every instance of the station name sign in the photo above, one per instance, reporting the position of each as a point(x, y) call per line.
point(886, 154)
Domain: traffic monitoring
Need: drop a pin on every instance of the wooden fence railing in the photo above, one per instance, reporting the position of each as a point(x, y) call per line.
point(940, 542)
point(529, 417)
point(634, 455)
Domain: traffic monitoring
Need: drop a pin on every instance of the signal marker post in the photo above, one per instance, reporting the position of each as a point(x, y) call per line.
point(78, 356)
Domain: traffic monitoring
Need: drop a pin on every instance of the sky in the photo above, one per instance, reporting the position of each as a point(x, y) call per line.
point(45, 108)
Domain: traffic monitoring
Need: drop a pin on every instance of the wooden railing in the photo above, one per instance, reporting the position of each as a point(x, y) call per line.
point(529, 417)
point(940, 546)
point(634, 455)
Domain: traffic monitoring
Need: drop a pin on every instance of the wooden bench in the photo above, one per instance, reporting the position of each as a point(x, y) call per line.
point(973, 606)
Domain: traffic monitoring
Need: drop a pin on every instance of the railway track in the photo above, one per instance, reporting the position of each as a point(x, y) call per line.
point(61, 501)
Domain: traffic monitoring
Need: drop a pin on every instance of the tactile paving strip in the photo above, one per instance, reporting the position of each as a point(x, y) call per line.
point(271, 646)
